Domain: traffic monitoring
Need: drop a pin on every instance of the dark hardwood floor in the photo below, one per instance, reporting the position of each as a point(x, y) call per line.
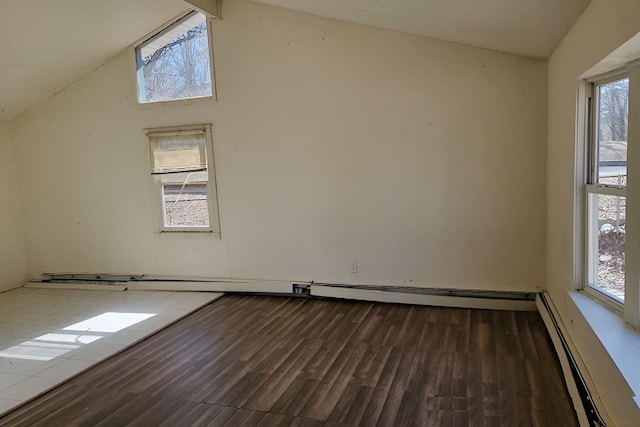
point(269, 361)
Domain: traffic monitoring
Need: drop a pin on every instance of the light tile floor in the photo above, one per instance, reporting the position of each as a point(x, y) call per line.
point(49, 335)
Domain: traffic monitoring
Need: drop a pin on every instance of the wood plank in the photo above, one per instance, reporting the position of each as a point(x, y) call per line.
point(265, 361)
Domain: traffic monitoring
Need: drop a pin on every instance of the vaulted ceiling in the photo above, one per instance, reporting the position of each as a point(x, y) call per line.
point(531, 28)
point(47, 44)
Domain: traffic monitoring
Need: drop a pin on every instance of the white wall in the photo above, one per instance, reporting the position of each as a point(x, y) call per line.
point(605, 25)
point(421, 160)
point(13, 257)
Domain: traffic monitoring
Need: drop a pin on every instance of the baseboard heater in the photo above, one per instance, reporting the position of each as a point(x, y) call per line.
point(588, 413)
point(91, 277)
point(465, 298)
point(82, 281)
point(465, 293)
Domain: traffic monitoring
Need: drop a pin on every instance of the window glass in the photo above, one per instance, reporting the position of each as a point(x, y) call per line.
point(184, 199)
point(607, 216)
point(612, 124)
point(175, 63)
point(606, 191)
point(181, 152)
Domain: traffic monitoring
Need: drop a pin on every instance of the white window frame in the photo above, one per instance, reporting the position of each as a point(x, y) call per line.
point(134, 63)
point(592, 187)
point(212, 192)
point(630, 309)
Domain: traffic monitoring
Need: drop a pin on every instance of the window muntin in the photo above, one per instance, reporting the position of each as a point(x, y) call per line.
point(606, 189)
point(175, 63)
point(182, 161)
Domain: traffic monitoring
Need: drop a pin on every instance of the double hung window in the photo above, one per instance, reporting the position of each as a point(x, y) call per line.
point(182, 162)
point(606, 189)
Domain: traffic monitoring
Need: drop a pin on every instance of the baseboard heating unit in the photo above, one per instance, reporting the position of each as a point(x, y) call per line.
point(588, 414)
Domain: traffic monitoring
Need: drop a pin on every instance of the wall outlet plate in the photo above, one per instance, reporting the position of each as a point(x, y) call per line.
point(301, 289)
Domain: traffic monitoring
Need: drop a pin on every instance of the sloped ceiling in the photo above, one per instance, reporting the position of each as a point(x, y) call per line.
point(47, 44)
point(531, 28)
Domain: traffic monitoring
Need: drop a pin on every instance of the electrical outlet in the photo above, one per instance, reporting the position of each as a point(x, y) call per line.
point(354, 267)
point(301, 289)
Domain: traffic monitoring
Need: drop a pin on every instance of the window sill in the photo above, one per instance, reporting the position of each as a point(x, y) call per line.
point(175, 102)
point(189, 231)
point(610, 302)
point(621, 341)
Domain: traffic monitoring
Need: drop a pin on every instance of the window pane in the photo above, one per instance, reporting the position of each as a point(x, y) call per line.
point(174, 64)
point(607, 218)
point(185, 200)
point(179, 152)
point(613, 114)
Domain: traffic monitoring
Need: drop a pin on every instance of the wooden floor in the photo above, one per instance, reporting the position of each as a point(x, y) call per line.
point(249, 360)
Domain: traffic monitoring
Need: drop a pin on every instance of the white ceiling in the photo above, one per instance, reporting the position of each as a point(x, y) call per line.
point(47, 44)
point(531, 28)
